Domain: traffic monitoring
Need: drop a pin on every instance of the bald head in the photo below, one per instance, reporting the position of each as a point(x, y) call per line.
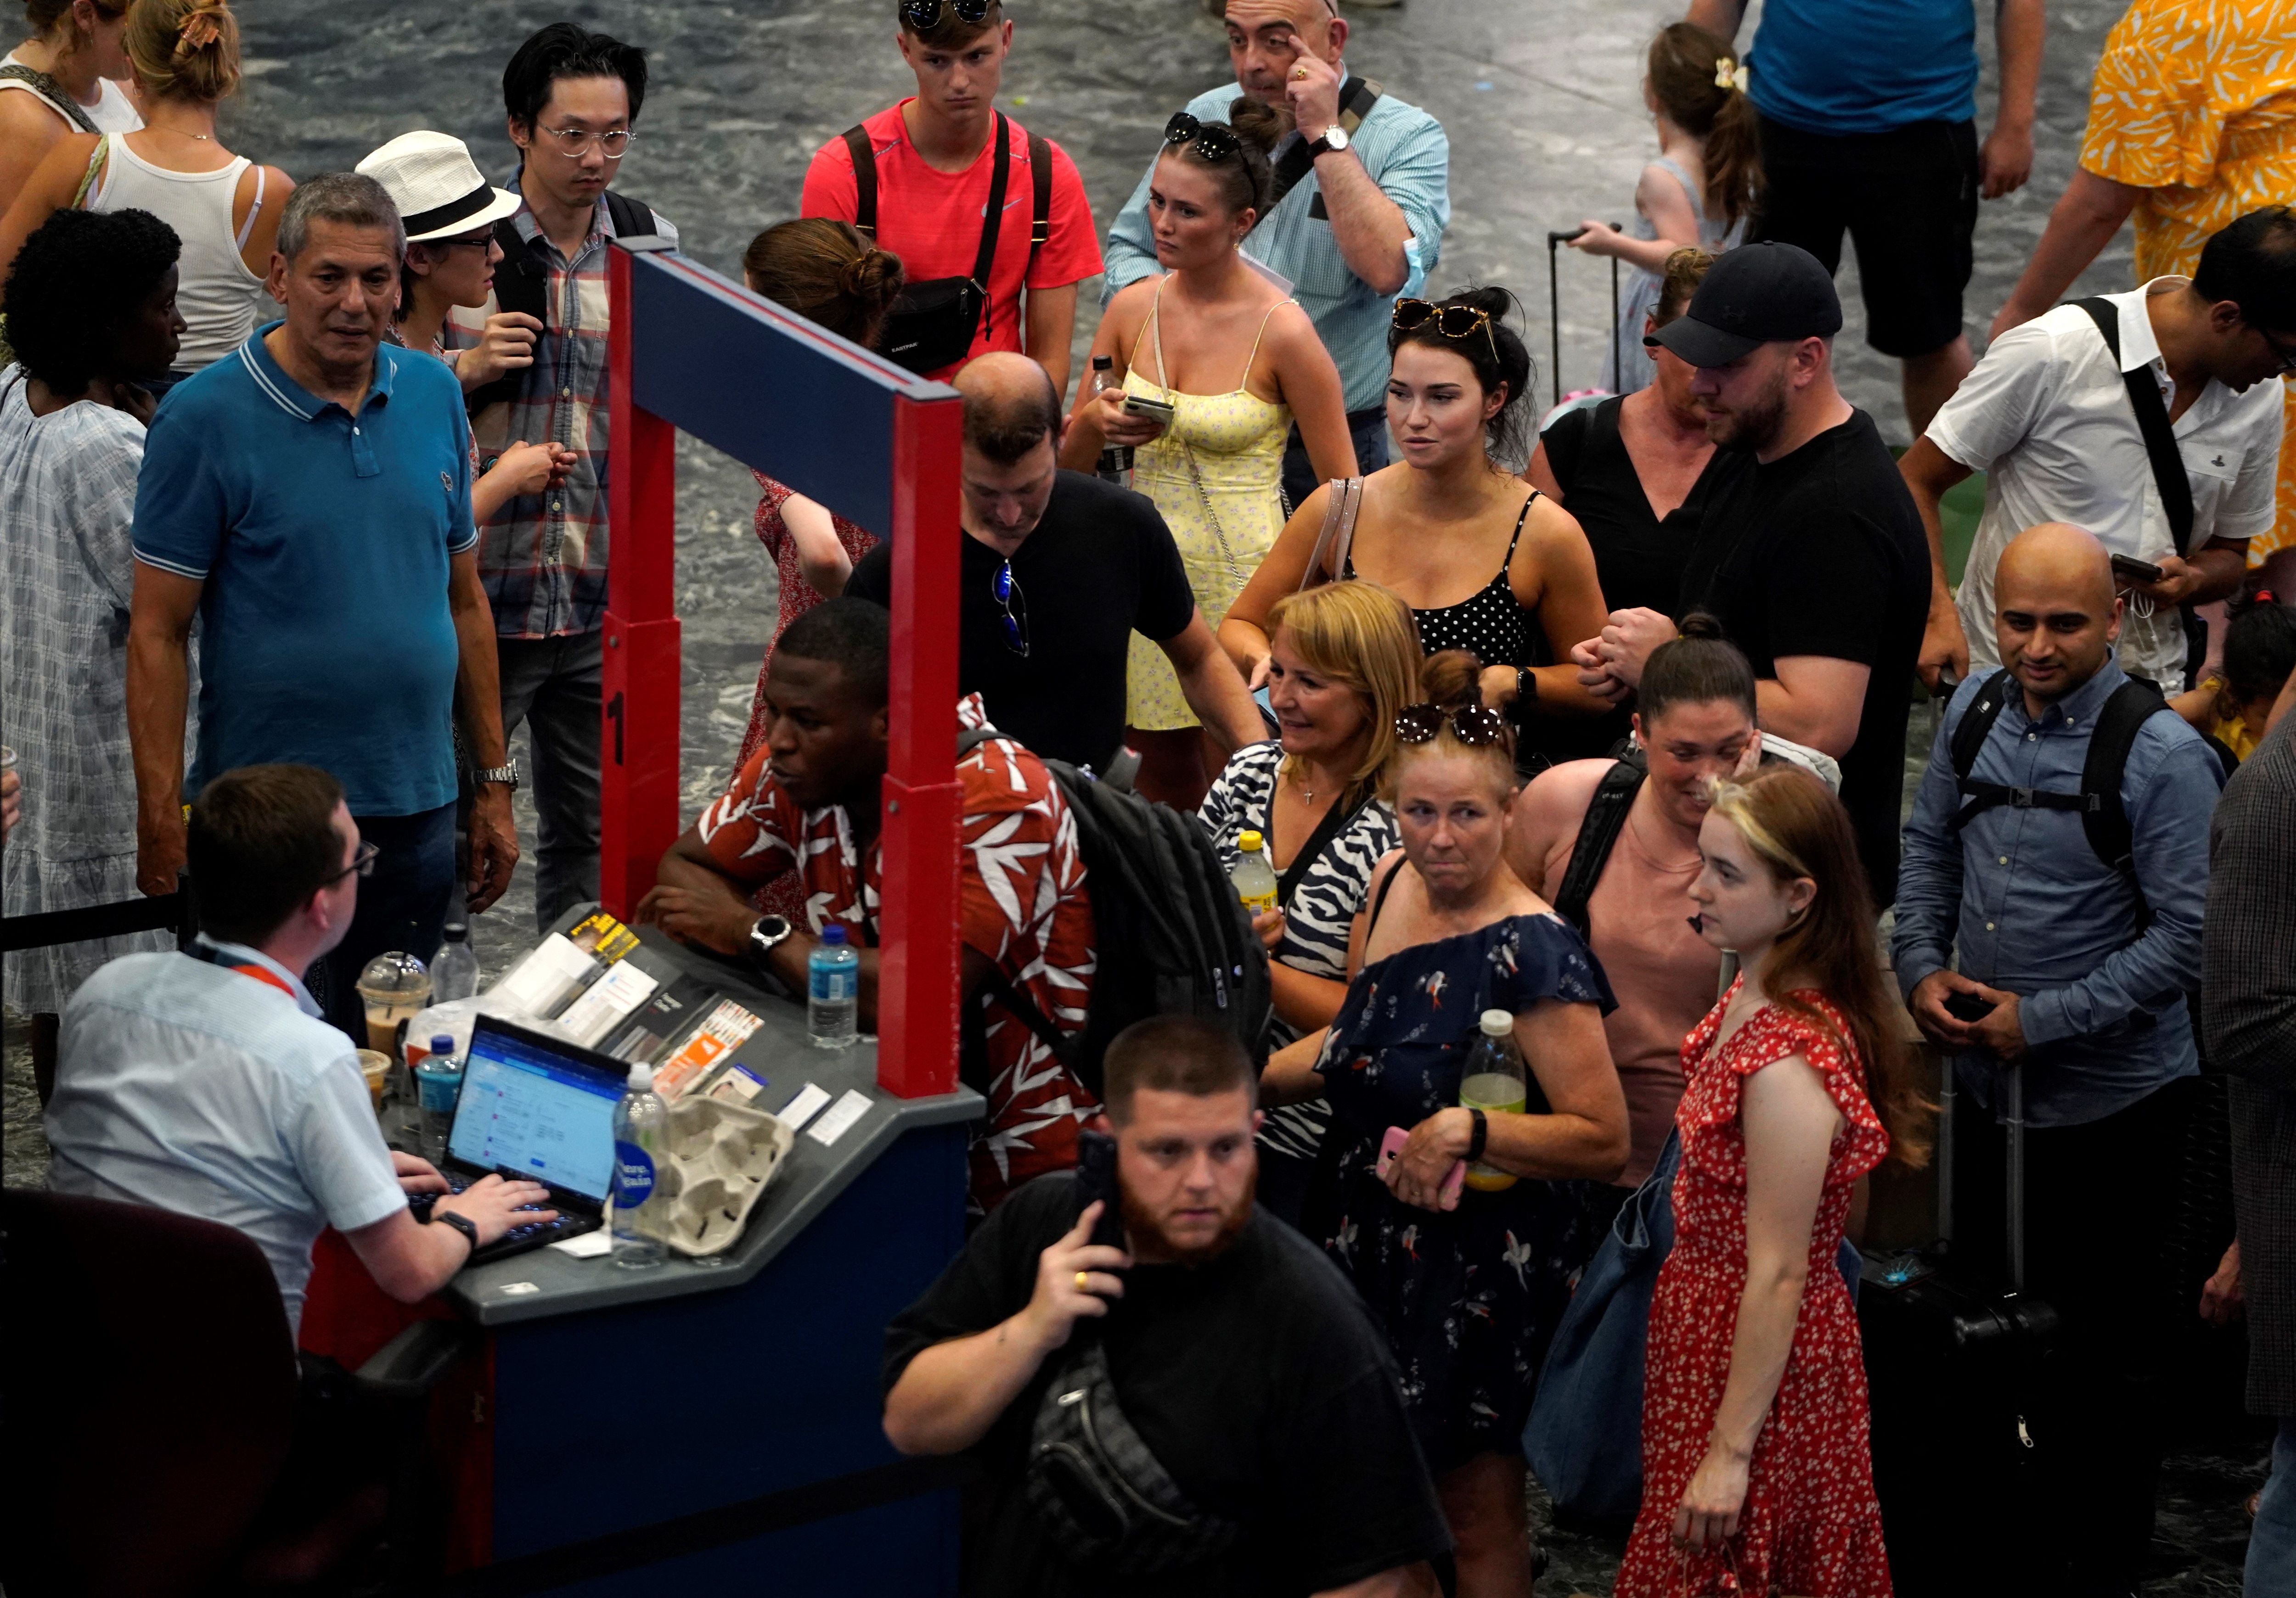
point(1009, 405)
point(1265, 39)
point(2056, 615)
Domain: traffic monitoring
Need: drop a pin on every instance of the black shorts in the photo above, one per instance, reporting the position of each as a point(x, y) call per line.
point(1908, 198)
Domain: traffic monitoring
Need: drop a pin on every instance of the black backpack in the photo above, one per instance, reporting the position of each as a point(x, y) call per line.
point(2103, 819)
point(1170, 936)
point(522, 283)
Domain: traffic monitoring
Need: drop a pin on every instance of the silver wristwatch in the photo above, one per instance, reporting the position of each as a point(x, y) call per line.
point(1335, 137)
point(770, 933)
point(496, 774)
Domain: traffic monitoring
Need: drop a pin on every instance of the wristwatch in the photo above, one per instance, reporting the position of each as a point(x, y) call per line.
point(770, 933)
point(1526, 693)
point(497, 774)
point(459, 1223)
point(1335, 137)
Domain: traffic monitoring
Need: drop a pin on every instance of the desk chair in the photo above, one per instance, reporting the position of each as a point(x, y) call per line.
point(150, 1373)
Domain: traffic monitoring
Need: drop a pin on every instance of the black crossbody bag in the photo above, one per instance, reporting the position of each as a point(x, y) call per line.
point(932, 323)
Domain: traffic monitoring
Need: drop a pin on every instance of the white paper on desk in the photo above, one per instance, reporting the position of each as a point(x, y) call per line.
point(839, 1119)
point(589, 1245)
point(607, 1002)
point(802, 1108)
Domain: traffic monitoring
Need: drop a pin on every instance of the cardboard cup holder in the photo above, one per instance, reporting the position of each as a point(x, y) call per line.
point(721, 1157)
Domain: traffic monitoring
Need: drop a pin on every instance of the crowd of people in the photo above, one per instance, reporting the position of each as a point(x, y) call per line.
point(1580, 735)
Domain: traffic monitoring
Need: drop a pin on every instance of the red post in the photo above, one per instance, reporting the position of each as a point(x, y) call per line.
point(638, 730)
point(919, 978)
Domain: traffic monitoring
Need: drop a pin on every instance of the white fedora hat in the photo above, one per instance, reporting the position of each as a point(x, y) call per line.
point(437, 186)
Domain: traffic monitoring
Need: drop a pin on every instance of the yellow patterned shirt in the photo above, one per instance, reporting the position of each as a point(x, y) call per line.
point(2195, 102)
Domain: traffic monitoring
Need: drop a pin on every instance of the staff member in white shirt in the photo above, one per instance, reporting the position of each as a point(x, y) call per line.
point(2048, 413)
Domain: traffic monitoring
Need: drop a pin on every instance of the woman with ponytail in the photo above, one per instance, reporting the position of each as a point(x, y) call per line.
point(62, 78)
point(1757, 1462)
point(1467, 1278)
point(224, 208)
point(1701, 192)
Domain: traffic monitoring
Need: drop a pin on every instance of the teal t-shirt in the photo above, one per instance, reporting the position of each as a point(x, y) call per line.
point(323, 541)
point(1863, 66)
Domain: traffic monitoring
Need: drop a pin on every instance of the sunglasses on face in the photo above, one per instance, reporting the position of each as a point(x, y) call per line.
point(1007, 591)
point(1474, 725)
point(1453, 322)
point(922, 15)
point(1214, 143)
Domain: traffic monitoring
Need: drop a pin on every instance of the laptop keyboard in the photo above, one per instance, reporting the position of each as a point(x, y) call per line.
point(532, 1234)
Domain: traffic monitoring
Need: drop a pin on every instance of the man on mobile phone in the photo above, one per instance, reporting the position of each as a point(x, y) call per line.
point(2072, 895)
point(2054, 415)
point(1263, 1399)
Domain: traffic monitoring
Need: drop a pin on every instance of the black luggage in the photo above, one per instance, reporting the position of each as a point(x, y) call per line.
point(1554, 311)
point(1956, 1366)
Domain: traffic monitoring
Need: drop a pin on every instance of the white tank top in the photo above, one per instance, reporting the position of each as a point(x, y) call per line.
point(112, 112)
point(218, 295)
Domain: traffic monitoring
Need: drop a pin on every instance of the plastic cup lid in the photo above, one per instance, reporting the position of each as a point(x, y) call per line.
point(396, 973)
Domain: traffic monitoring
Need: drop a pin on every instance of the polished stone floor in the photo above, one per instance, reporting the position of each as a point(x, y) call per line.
point(1541, 100)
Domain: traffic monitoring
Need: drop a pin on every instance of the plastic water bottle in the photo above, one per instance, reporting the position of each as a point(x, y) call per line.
point(454, 971)
point(1494, 1082)
point(437, 1084)
point(1115, 463)
point(833, 1000)
point(641, 1148)
point(1254, 878)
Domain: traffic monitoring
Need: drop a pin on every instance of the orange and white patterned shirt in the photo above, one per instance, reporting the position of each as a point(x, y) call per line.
point(2195, 102)
point(1021, 901)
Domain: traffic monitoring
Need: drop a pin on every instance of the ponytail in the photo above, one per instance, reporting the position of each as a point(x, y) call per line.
point(1698, 84)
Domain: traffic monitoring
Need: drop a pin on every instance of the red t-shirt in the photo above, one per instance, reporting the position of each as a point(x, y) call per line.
point(933, 219)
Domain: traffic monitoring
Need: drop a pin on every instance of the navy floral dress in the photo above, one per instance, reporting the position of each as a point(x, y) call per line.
point(1469, 1298)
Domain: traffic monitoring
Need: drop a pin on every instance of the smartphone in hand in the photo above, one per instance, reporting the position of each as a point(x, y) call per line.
point(2130, 570)
point(1390, 1149)
point(1096, 1180)
point(1969, 1007)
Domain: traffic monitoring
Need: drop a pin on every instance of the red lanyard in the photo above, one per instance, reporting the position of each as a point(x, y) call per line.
point(264, 974)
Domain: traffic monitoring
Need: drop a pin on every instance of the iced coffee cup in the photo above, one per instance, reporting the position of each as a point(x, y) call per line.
point(395, 988)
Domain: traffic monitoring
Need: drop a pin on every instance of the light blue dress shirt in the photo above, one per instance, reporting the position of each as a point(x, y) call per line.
point(185, 1085)
point(2033, 911)
point(1406, 153)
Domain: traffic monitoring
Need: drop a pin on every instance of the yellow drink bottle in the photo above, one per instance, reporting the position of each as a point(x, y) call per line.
point(1494, 1083)
point(1254, 878)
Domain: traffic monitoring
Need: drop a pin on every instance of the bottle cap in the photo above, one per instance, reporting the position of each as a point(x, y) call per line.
point(1498, 1023)
point(442, 1043)
point(458, 932)
point(833, 934)
point(1250, 843)
point(1104, 363)
point(640, 1078)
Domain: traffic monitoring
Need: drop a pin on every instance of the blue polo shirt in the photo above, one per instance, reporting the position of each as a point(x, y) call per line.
point(1863, 66)
point(323, 539)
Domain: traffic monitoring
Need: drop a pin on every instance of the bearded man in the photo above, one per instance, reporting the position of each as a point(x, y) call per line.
point(1217, 1365)
point(1814, 561)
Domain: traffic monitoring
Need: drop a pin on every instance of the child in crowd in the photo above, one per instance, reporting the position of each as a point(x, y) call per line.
point(2259, 653)
point(1701, 191)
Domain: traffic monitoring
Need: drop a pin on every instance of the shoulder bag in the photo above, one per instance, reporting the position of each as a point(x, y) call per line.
point(1328, 562)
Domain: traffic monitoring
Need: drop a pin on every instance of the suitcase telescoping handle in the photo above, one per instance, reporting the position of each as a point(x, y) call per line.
point(1555, 312)
point(2013, 1122)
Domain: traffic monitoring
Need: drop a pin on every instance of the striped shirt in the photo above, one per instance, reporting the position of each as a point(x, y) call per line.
point(1321, 914)
point(542, 556)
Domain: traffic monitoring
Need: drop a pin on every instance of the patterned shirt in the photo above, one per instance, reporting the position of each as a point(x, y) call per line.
point(1021, 901)
point(2194, 102)
point(542, 556)
point(1319, 918)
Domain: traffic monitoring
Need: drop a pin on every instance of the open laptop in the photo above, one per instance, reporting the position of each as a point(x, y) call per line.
point(538, 1108)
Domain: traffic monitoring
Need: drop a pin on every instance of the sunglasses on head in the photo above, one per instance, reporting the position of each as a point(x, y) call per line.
point(1453, 322)
point(924, 14)
point(1213, 143)
point(1474, 725)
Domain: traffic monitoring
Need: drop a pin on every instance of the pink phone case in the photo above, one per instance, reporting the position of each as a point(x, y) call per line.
point(1391, 1145)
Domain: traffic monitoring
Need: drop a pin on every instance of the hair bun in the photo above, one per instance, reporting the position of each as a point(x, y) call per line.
point(874, 277)
point(1263, 127)
point(1491, 299)
point(1452, 678)
point(1702, 624)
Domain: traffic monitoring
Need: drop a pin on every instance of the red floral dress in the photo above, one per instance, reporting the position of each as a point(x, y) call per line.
point(1811, 1525)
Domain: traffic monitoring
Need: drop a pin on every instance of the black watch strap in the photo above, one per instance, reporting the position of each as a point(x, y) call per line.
point(1479, 1137)
point(459, 1223)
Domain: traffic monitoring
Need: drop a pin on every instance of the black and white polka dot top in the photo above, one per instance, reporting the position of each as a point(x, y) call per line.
point(1489, 622)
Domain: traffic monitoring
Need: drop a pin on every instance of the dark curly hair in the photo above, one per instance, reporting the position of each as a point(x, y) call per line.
point(75, 281)
point(1499, 360)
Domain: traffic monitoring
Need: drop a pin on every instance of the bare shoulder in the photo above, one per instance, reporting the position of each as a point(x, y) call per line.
point(30, 125)
point(1555, 801)
point(1129, 304)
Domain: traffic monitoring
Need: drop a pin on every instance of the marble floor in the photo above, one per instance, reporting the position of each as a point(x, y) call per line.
point(1540, 98)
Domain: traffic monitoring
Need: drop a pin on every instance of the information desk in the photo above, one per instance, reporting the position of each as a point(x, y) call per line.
point(732, 1409)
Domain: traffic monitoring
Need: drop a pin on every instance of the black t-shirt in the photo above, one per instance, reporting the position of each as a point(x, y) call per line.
point(1820, 553)
point(1100, 566)
point(1257, 1381)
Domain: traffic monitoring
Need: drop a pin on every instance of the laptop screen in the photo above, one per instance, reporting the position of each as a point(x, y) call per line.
point(538, 1110)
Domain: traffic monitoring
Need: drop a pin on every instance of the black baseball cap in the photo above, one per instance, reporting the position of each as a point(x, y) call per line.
point(1751, 296)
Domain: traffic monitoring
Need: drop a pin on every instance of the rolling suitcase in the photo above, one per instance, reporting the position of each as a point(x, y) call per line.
point(1554, 310)
point(1955, 1365)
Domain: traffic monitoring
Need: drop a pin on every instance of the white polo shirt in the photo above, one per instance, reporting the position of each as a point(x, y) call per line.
point(183, 1084)
point(2047, 415)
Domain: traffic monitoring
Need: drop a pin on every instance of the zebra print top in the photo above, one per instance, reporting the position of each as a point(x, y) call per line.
point(1321, 912)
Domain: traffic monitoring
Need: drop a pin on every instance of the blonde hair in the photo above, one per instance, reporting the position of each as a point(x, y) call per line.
point(1452, 679)
point(1362, 636)
point(184, 49)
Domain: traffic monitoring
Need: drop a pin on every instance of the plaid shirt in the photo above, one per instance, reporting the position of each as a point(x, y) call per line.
point(542, 556)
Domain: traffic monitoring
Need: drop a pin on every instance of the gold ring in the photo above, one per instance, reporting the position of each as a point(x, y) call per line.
point(1301, 75)
point(1084, 1281)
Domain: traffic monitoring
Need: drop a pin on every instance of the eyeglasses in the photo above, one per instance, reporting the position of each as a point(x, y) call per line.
point(922, 15)
point(362, 862)
point(1476, 725)
point(1007, 590)
point(1453, 322)
point(1213, 142)
point(468, 242)
point(577, 141)
point(2280, 352)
